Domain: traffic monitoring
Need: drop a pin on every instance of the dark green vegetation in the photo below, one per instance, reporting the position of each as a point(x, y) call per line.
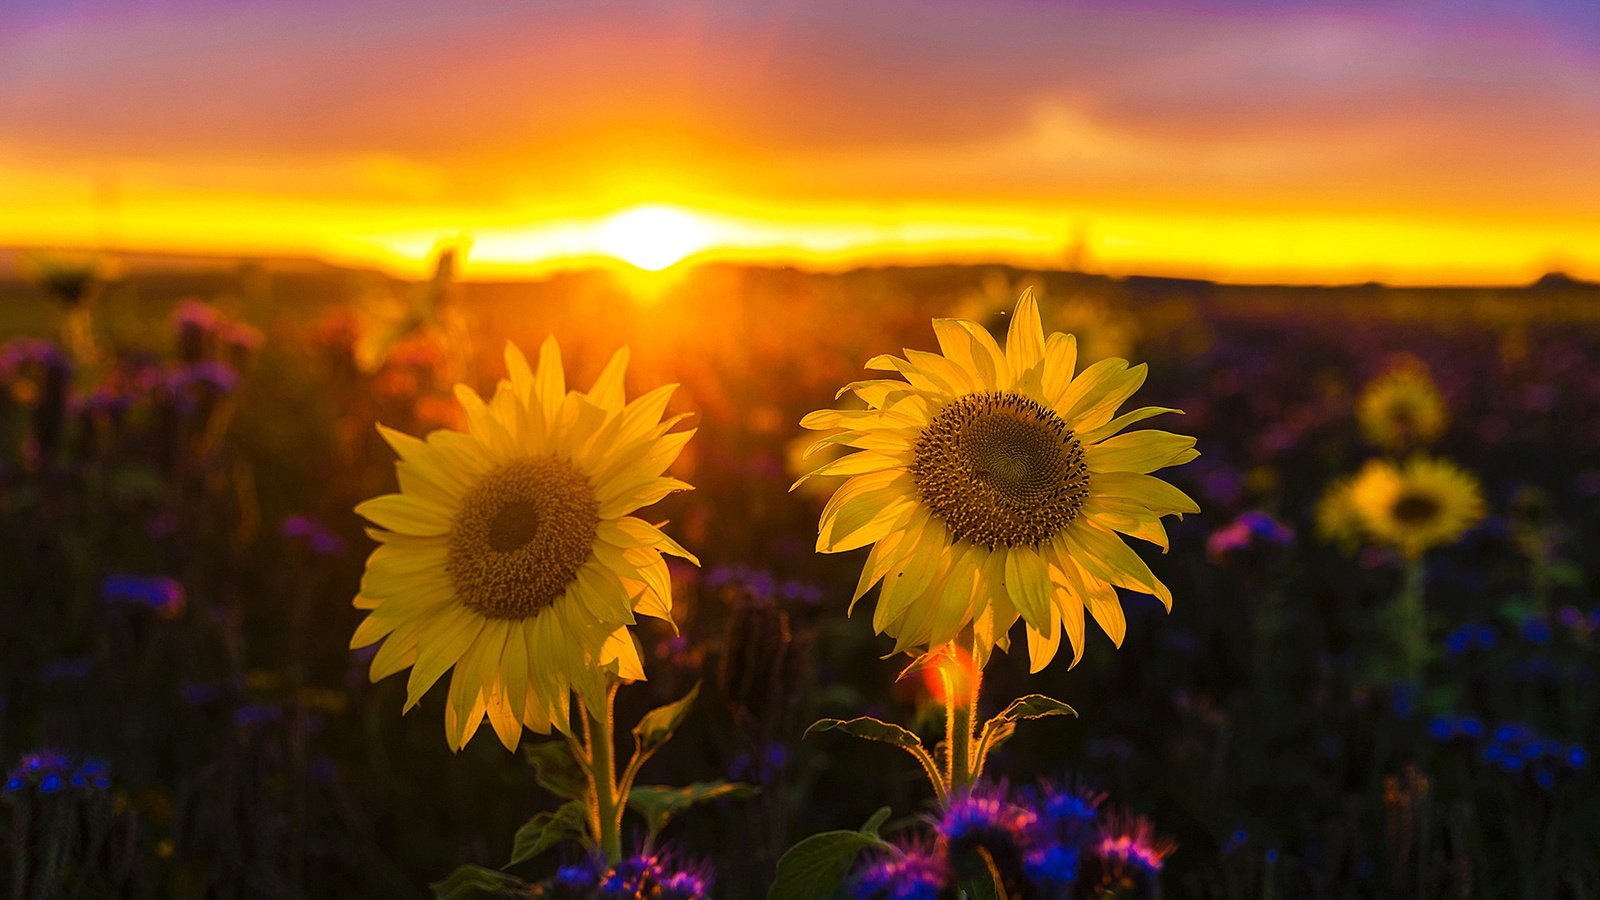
point(1257, 725)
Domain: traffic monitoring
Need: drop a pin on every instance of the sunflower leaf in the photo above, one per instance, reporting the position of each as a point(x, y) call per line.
point(556, 771)
point(999, 733)
point(658, 724)
point(548, 829)
point(478, 883)
point(869, 729)
point(658, 803)
point(1033, 706)
point(816, 867)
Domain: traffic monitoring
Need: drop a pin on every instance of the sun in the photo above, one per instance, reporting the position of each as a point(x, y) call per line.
point(652, 237)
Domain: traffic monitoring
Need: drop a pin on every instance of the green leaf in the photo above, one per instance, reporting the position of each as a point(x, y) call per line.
point(658, 724)
point(548, 829)
point(870, 729)
point(998, 733)
point(658, 803)
point(1033, 706)
point(478, 883)
point(817, 866)
point(556, 770)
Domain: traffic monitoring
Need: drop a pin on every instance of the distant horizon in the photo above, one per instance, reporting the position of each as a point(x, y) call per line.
point(170, 261)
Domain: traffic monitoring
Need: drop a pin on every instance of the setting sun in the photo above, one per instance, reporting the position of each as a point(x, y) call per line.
point(652, 237)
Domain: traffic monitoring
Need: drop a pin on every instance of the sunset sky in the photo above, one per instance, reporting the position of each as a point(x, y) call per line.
point(1434, 141)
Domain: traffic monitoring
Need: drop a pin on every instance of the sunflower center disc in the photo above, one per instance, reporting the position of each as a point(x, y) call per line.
point(1415, 509)
point(520, 537)
point(1001, 470)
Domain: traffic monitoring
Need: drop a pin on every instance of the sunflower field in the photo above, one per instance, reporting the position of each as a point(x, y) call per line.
point(897, 583)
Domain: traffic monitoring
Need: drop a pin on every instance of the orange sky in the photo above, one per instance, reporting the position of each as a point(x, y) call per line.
point(1238, 139)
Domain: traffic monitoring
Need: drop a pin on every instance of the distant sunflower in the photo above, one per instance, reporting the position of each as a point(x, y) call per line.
point(1417, 505)
point(510, 554)
point(1338, 518)
point(1402, 409)
point(993, 483)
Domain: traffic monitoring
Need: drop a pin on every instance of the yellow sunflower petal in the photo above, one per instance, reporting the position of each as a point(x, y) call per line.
point(1025, 339)
point(607, 390)
point(1060, 361)
point(406, 515)
point(1104, 555)
point(1027, 581)
point(1139, 452)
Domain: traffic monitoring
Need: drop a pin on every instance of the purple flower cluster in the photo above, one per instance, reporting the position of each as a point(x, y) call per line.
point(762, 585)
point(164, 596)
point(201, 332)
point(1043, 843)
point(1252, 531)
point(317, 537)
point(28, 356)
point(911, 873)
point(50, 771)
point(660, 876)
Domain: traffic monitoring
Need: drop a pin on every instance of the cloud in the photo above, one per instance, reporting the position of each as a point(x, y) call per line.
point(1247, 104)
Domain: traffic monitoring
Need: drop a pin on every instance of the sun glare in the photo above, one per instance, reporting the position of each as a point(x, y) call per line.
point(652, 237)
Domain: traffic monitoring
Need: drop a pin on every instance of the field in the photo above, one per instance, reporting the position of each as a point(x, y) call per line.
point(180, 555)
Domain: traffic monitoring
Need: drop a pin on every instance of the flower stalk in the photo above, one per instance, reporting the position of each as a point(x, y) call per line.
point(606, 802)
point(1413, 619)
point(962, 680)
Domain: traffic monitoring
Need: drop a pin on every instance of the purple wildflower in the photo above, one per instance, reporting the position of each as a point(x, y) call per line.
point(165, 596)
point(911, 873)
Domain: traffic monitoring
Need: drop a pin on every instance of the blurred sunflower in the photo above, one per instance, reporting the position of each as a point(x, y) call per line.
point(510, 555)
point(1417, 505)
point(1338, 518)
point(1402, 409)
point(993, 483)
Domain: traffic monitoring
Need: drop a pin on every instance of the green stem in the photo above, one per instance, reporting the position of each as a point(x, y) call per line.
point(1540, 557)
point(961, 684)
point(605, 802)
point(1413, 619)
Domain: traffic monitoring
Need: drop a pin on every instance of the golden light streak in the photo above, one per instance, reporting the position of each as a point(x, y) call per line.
point(1186, 241)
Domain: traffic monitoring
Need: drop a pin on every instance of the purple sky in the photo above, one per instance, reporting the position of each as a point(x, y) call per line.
point(1416, 108)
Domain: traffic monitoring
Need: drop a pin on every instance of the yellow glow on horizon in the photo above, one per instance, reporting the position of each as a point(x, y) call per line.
point(652, 237)
point(660, 230)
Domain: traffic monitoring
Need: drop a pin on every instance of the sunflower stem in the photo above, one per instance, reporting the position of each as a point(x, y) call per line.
point(605, 803)
point(962, 680)
point(1413, 619)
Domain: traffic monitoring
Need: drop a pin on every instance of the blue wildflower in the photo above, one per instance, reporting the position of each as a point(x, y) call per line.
point(164, 596)
point(1536, 631)
point(1441, 728)
point(1053, 864)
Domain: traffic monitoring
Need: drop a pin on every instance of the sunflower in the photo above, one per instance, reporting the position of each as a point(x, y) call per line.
point(1416, 505)
point(1401, 409)
point(510, 553)
point(1338, 518)
point(992, 482)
